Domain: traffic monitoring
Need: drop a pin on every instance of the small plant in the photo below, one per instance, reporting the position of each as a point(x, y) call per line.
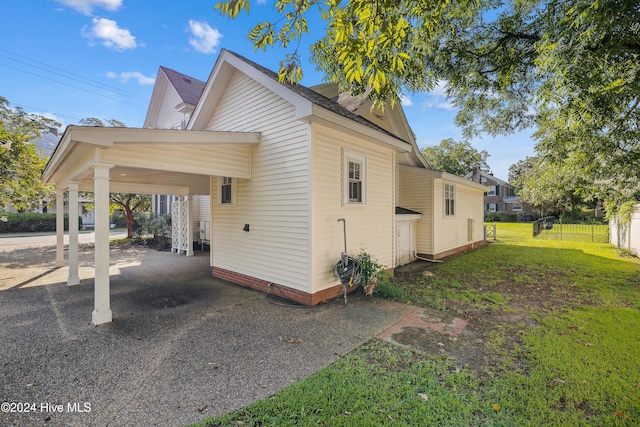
point(372, 272)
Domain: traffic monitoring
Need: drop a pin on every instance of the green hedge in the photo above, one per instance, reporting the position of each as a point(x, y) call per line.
point(31, 222)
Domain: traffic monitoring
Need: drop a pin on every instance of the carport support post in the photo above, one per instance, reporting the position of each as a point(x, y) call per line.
point(102, 305)
point(189, 199)
point(59, 228)
point(73, 279)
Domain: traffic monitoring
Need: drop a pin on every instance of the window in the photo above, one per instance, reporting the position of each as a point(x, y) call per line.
point(227, 189)
point(517, 207)
point(354, 178)
point(355, 182)
point(492, 207)
point(494, 190)
point(449, 199)
point(162, 204)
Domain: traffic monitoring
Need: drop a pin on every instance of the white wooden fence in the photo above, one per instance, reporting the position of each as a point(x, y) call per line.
point(627, 236)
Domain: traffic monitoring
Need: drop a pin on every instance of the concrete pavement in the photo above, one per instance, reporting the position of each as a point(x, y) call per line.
point(182, 346)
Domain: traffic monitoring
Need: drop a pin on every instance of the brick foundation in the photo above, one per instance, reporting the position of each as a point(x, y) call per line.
point(279, 290)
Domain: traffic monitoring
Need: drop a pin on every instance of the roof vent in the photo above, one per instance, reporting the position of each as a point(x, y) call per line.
point(186, 80)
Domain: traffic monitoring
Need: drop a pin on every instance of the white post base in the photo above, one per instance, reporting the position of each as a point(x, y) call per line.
point(72, 281)
point(98, 318)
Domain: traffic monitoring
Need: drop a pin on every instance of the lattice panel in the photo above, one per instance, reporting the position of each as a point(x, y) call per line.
point(175, 226)
point(184, 225)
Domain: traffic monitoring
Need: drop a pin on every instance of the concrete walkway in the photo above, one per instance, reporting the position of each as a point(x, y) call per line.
point(182, 346)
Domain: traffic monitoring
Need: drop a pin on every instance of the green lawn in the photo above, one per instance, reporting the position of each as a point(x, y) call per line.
point(578, 366)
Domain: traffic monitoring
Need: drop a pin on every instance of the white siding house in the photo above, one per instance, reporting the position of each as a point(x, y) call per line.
point(273, 167)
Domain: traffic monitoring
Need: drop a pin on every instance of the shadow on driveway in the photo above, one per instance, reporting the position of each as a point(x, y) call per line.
point(182, 346)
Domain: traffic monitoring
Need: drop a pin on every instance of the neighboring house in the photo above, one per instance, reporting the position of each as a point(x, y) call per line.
point(501, 196)
point(281, 164)
point(174, 97)
point(47, 143)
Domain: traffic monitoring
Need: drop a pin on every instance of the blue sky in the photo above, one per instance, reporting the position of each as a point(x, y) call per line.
point(72, 59)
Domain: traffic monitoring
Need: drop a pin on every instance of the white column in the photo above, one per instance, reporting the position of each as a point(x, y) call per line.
point(102, 304)
point(59, 228)
point(73, 279)
point(189, 199)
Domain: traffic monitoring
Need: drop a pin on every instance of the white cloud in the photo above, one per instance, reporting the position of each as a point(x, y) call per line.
point(112, 36)
point(87, 6)
point(53, 116)
point(437, 98)
point(262, 1)
point(448, 105)
point(125, 76)
point(440, 89)
point(205, 39)
point(405, 101)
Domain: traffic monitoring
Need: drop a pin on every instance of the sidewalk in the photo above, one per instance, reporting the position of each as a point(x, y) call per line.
point(11, 240)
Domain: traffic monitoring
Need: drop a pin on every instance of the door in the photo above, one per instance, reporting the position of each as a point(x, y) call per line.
point(403, 243)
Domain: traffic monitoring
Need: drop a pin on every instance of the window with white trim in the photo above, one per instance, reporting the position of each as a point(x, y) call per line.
point(516, 207)
point(449, 199)
point(354, 178)
point(492, 207)
point(227, 190)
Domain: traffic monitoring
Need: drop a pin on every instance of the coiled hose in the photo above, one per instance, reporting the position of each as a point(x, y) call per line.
point(349, 272)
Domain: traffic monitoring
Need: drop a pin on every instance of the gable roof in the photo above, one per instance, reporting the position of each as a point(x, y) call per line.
point(315, 97)
point(188, 88)
point(489, 177)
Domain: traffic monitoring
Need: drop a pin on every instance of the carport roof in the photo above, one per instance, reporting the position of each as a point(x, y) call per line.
point(148, 161)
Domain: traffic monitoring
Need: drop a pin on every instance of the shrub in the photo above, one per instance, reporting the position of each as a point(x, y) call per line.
point(31, 222)
point(118, 218)
point(373, 273)
point(159, 226)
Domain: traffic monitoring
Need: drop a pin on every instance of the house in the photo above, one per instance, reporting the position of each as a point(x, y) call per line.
point(501, 196)
point(173, 100)
point(289, 172)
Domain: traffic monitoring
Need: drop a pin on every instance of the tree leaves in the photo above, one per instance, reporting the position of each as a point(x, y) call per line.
point(457, 158)
point(21, 165)
point(571, 70)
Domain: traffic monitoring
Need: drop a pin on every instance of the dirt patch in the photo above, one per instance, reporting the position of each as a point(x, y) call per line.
point(471, 340)
point(484, 336)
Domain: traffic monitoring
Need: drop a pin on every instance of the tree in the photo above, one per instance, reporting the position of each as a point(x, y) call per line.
point(21, 163)
point(571, 69)
point(131, 204)
point(457, 158)
point(519, 168)
point(552, 187)
point(93, 121)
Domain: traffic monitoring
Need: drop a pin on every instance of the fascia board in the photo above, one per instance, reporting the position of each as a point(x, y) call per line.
point(159, 89)
point(216, 85)
point(444, 175)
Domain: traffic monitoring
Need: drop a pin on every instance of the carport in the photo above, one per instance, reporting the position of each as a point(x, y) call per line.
point(138, 161)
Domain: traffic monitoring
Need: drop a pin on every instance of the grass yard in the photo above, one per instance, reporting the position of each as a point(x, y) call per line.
point(553, 339)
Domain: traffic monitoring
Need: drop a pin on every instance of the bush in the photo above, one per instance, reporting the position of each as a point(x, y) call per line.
point(146, 223)
point(501, 217)
point(31, 222)
point(119, 219)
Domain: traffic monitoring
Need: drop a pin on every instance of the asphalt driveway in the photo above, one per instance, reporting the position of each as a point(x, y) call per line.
point(182, 346)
